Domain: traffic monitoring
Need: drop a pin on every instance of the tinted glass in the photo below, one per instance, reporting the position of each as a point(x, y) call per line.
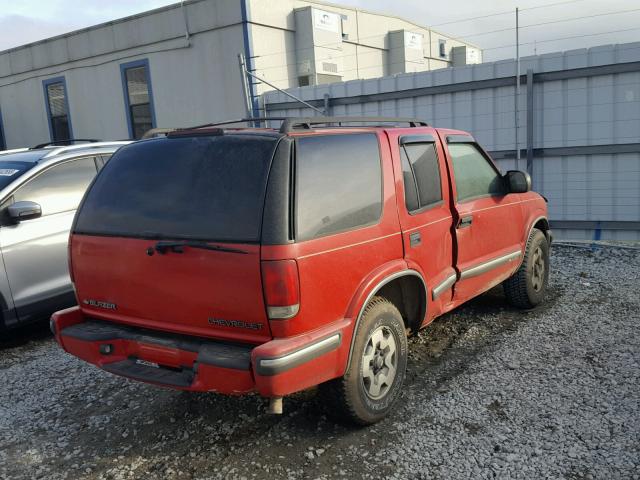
point(206, 188)
point(339, 184)
point(60, 188)
point(474, 176)
point(9, 171)
point(410, 186)
point(426, 172)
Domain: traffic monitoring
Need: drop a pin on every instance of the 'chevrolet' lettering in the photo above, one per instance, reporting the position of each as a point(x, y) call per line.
point(221, 322)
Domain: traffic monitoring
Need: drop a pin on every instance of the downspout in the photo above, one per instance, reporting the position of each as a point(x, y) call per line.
point(187, 35)
point(246, 36)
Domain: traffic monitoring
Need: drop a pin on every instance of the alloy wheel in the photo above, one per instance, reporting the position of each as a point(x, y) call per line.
point(379, 363)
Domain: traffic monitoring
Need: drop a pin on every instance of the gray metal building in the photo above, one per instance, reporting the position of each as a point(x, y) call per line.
point(578, 125)
point(178, 65)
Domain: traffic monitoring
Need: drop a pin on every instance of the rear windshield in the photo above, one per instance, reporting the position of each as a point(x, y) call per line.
point(9, 171)
point(204, 188)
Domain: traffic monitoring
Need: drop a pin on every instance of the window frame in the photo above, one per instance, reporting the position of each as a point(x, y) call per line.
point(296, 189)
point(487, 158)
point(442, 51)
point(46, 169)
point(124, 67)
point(45, 85)
point(428, 206)
point(3, 138)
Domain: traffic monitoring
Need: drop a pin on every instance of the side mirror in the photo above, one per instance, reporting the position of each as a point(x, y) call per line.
point(518, 182)
point(24, 211)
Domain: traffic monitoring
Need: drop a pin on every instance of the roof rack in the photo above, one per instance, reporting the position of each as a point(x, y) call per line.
point(13, 150)
point(93, 145)
point(292, 123)
point(152, 132)
point(65, 142)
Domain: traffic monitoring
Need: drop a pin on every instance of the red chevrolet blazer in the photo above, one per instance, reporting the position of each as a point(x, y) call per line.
point(266, 260)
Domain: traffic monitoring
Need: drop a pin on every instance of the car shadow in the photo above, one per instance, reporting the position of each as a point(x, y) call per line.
point(25, 334)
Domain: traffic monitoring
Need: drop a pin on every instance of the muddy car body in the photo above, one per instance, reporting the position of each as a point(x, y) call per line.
point(273, 260)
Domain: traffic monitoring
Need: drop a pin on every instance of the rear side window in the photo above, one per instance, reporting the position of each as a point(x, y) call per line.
point(339, 184)
point(474, 175)
point(421, 174)
point(202, 188)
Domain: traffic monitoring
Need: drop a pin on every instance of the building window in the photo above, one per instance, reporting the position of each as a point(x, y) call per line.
point(304, 81)
point(443, 48)
point(343, 21)
point(55, 93)
point(3, 143)
point(138, 97)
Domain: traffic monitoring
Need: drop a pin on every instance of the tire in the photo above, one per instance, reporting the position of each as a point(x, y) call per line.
point(527, 287)
point(380, 345)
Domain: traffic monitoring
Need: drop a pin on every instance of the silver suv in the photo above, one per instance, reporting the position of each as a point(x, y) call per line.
point(40, 190)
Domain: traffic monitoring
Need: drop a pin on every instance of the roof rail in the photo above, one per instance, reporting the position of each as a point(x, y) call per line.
point(291, 123)
point(237, 120)
point(84, 146)
point(13, 150)
point(152, 132)
point(65, 142)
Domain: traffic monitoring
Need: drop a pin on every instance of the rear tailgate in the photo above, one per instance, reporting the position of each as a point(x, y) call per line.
point(197, 292)
point(203, 195)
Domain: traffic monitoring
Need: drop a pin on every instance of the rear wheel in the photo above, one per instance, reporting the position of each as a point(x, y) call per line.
point(527, 287)
point(373, 381)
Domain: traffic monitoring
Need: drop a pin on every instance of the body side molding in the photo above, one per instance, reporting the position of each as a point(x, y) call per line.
point(489, 265)
point(443, 286)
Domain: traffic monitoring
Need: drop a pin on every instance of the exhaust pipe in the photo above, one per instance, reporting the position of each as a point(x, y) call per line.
point(275, 406)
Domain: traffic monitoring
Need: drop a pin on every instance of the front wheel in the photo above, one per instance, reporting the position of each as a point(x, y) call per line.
point(527, 287)
point(373, 381)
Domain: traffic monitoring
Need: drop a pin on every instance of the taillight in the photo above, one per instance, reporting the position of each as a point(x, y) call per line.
point(281, 288)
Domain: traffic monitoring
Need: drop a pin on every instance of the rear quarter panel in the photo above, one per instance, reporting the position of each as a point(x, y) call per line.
point(333, 268)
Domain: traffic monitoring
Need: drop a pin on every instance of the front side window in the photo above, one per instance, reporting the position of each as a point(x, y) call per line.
point(474, 175)
point(421, 174)
point(58, 109)
point(339, 184)
point(60, 188)
point(138, 98)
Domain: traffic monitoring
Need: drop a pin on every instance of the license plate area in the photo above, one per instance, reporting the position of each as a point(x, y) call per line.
point(151, 372)
point(147, 363)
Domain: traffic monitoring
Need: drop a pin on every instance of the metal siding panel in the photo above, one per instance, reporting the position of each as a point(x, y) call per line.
point(602, 109)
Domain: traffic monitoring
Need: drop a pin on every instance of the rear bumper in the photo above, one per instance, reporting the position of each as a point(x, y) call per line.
point(275, 368)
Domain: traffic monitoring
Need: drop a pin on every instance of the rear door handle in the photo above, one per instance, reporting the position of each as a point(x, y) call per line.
point(465, 221)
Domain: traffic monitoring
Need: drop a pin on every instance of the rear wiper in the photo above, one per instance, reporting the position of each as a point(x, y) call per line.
point(178, 247)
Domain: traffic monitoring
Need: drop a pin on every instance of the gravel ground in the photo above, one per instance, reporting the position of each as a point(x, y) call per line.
point(491, 393)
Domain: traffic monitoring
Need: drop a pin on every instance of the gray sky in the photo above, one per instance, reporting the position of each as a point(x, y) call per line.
point(30, 20)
